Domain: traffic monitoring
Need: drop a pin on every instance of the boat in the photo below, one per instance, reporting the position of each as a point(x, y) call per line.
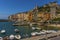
point(11, 37)
point(3, 31)
point(18, 37)
point(33, 33)
point(38, 28)
point(16, 30)
point(38, 33)
point(33, 28)
point(1, 38)
point(42, 33)
point(52, 31)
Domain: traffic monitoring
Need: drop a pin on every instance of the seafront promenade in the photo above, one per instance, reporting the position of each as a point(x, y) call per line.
point(54, 25)
point(48, 36)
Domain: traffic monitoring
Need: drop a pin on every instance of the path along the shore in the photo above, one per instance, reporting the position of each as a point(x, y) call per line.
point(48, 36)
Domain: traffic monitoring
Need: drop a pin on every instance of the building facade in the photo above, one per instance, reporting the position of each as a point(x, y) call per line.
point(47, 12)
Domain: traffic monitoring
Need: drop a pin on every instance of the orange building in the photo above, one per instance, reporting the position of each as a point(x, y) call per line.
point(30, 16)
point(47, 16)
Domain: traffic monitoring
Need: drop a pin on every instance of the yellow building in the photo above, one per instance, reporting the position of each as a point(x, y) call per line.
point(23, 16)
point(37, 14)
point(47, 16)
point(42, 16)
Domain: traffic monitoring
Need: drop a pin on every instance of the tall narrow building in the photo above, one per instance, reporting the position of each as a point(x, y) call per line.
point(35, 12)
point(53, 7)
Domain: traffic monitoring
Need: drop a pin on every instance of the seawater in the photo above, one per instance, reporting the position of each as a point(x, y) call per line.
point(25, 31)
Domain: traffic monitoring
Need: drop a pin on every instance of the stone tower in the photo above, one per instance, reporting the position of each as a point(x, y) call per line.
point(35, 11)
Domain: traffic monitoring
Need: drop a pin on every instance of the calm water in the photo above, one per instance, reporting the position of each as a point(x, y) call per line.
point(24, 30)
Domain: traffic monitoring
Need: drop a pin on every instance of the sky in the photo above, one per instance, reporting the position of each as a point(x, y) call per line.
point(9, 7)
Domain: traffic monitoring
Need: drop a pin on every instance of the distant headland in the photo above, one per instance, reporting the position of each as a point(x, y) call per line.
point(4, 20)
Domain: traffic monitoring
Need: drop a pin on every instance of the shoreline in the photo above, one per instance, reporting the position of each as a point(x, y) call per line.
point(49, 36)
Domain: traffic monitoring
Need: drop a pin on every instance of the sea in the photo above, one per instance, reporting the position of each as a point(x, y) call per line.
point(24, 31)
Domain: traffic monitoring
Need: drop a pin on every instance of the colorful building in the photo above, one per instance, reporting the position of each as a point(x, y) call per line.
point(46, 12)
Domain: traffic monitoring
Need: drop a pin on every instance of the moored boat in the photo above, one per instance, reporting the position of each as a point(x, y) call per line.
point(33, 28)
point(11, 37)
point(16, 30)
point(3, 31)
point(33, 33)
point(18, 37)
point(1, 38)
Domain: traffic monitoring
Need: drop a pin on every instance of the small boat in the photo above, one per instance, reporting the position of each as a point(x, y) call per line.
point(33, 33)
point(16, 30)
point(33, 28)
point(3, 31)
point(38, 28)
point(31, 24)
point(18, 37)
point(38, 33)
point(42, 32)
point(52, 31)
point(1, 38)
point(11, 37)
